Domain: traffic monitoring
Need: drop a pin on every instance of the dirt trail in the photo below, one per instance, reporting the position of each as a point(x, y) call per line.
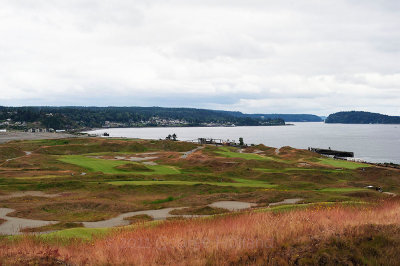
point(186, 154)
point(163, 214)
point(28, 193)
point(232, 205)
point(12, 225)
point(160, 214)
point(135, 159)
point(390, 194)
point(286, 201)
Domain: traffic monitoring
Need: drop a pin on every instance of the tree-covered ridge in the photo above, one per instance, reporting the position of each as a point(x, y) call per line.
point(360, 117)
point(78, 117)
point(290, 117)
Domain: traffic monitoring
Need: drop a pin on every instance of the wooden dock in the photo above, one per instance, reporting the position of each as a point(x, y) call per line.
point(332, 152)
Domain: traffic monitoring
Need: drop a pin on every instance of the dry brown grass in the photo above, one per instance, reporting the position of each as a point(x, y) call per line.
point(141, 218)
point(248, 238)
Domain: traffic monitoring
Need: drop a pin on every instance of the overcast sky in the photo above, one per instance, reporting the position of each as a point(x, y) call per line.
point(264, 56)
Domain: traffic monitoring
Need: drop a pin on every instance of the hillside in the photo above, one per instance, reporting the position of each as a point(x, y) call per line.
point(76, 117)
point(286, 117)
point(291, 117)
point(99, 201)
point(360, 117)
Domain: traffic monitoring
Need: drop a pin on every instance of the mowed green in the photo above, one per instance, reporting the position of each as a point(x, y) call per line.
point(109, 166)
point(342, 163)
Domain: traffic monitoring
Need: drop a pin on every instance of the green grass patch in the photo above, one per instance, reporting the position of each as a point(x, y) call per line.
point(76, 233)
point(111, 166)
point(341, 163)
point(162, 200)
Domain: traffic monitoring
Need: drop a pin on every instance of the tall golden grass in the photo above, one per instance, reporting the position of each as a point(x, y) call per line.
point(245, 238)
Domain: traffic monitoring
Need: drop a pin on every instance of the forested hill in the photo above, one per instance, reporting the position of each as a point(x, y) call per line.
point(286, 117)
point(359, 117)
point(80, 117)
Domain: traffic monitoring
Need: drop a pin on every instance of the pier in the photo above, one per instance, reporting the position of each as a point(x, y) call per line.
point(332, 152)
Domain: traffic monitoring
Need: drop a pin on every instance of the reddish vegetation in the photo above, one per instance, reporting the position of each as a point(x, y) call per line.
point(248, 238)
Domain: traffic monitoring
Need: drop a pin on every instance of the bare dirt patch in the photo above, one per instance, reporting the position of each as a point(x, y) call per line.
point(28, 193)
point(10, 136)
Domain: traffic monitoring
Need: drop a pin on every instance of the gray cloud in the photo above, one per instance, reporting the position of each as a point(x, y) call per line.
point(253, 56)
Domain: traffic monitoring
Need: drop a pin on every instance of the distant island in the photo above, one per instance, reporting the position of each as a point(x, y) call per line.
point(360, 117)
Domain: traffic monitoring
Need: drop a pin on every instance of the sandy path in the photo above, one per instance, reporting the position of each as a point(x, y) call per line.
point(160, 214)
point(390, 194)
point(286, 201)
point(12, 225)
point(163, 214)
point(186, 154)
point(135, 159)
point(232, 205)
point(29, 193)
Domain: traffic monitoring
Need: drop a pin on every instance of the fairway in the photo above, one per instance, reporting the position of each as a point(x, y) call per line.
point(109, 166)
point(341, 163)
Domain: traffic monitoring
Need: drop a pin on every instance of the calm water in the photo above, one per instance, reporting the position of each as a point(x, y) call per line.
point(373, 143)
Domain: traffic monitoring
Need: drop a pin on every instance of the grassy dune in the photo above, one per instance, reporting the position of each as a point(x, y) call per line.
point(320, 235)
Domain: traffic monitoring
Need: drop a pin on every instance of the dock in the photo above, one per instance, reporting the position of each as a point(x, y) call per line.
point(332, 152)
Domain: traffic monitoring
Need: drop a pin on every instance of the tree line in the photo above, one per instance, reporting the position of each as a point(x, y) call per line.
point(72, 117)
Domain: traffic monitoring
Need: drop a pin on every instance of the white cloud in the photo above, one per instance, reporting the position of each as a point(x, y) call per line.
point(253, 56)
